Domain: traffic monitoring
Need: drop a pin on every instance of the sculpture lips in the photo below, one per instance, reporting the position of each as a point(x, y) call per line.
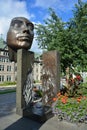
point(23, 38)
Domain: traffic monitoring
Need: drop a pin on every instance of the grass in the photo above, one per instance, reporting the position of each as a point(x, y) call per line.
point(7, 91)
point(73, 109)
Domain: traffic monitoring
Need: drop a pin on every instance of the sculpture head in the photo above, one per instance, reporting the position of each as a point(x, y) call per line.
point(20, 34)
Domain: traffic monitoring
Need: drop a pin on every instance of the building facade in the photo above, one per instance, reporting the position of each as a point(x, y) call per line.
point(37, 70)
point(8, 70)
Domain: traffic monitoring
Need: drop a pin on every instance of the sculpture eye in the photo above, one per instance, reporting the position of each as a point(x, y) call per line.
point(17, 23)
point(30, 26)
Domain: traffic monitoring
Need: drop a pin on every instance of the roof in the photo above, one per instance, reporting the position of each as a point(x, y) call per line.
point(2, 43)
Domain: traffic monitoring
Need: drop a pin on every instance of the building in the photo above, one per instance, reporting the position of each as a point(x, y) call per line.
point(37, 68)
point(8, 70)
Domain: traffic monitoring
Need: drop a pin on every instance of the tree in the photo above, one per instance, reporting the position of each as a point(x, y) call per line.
point(51, 31)
point(78, 29)
point(68, 38)
point(51, 34)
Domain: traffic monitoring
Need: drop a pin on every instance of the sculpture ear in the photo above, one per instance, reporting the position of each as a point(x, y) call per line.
point(12, 54)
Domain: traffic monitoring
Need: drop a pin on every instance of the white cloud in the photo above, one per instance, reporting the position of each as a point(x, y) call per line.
point(62, 5)
point(10, 9)
point(45, 3)
point(63, 8)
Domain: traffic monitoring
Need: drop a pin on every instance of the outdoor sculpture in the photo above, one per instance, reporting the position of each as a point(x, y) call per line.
point(19, 40)
point(20, 36)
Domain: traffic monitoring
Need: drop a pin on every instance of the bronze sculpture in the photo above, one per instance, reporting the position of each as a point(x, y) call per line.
point(19, 36)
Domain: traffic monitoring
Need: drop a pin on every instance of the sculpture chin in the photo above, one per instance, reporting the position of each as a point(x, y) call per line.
point(23, 44)
point(20, 44)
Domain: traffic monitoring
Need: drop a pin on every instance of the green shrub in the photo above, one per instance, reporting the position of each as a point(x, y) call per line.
point(8, 83)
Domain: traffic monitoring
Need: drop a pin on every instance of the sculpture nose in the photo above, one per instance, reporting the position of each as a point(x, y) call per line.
point(26, 30)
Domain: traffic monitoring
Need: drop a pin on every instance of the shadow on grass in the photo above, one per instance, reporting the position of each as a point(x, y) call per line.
point(7, 91)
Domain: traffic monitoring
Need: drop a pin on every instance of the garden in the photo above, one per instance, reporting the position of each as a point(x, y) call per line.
point(71, 102)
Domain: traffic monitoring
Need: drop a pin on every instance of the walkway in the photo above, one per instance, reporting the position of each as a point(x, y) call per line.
point(9, 120)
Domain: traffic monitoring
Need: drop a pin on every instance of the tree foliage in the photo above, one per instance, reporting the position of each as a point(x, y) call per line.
point(69, 38)
point(78, 27)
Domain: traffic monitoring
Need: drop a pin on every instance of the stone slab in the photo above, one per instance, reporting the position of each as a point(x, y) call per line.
point(54, 124)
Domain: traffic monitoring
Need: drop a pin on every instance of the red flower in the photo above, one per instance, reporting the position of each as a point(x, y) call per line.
point(59, 94)
point(78, 77)
point(79, 99)
point(64, 100)
point(54, 99)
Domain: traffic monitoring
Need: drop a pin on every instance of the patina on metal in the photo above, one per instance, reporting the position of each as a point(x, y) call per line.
point(50, 76)
point(19, 36)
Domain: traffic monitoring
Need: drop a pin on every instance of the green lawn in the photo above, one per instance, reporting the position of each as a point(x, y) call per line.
point(7, 90)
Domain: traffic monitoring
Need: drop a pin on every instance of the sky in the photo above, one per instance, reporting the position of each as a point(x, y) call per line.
point(35, 10)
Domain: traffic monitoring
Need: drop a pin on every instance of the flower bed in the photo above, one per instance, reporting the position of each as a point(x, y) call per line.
point(71, 109)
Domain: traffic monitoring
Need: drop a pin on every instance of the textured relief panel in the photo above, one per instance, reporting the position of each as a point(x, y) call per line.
point(50, 76)
point(28, 86)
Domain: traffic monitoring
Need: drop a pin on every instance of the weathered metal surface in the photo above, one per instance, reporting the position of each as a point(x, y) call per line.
point(50, 76)
point(19, 36)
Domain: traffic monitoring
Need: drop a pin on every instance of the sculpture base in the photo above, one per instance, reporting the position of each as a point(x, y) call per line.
point(38, 115)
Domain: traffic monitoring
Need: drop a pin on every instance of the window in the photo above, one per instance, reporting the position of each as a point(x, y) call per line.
point(8, 68)
point(7, 60)
point(8, 77)
point(15, 68)
point(3, 59)
point(0, 59)
point(1, 67)
point(5, 53)
point(37, 77)
point(1, 78)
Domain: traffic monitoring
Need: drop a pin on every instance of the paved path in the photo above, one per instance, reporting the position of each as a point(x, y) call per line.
point(2, 88)
point(7, 103)
point(54, 124)
point(9, 120)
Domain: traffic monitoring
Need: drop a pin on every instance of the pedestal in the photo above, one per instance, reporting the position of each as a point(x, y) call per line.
point(25, 60)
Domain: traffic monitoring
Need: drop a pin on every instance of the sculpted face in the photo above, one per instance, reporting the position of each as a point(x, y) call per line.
point(20, 34)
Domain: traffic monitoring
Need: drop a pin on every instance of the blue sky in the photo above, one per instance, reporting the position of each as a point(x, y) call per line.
point(39, 8)
point(35, 10)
